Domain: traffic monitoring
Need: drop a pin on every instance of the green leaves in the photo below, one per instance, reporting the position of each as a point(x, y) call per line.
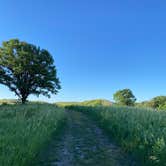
point(27, 69)
point(124, 97)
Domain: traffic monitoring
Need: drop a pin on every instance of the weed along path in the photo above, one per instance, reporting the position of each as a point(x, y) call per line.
point(83, 143)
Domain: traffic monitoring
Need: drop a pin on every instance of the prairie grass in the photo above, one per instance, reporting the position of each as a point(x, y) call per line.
point(24, 131)
point(139, 131)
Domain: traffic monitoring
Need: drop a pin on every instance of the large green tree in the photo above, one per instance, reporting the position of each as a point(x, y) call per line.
point(124, 97)
point(26, 69)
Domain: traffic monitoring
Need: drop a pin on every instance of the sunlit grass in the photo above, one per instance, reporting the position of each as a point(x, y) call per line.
point(140, 131)
point(25, 129)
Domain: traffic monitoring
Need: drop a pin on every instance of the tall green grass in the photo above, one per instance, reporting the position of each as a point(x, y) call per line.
point(24, 131)
point(140, 131)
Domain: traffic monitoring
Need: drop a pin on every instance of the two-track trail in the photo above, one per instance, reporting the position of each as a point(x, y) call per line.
point(83, 143)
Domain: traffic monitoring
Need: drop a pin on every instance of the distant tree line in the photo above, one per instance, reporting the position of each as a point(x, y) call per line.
point(27, 69)
point(127, 98)
point(158, 103)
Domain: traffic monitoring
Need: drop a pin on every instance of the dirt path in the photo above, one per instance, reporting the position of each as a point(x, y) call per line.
point(83, 143)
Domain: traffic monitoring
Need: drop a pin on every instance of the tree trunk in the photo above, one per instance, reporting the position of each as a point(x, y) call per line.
point(23, 99)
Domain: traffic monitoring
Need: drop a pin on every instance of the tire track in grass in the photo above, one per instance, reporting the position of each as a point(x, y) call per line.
point(83, 144)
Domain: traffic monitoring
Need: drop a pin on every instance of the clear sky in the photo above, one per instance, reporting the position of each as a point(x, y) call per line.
point(99, 46)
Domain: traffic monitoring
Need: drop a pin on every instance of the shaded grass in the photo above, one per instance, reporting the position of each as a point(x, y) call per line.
point(25, 129)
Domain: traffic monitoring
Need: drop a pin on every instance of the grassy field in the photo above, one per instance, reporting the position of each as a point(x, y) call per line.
point(96, 102)
point(25, 130)
point(140, 131)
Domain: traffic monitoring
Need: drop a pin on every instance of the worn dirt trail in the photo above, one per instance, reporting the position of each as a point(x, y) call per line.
point(83, 144)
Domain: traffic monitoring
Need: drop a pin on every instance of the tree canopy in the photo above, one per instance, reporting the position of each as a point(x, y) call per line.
point(157, 102)
point(26, 69)
point(124, 97)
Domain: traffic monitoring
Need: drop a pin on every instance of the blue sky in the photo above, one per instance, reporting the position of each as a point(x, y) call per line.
point(99, 46)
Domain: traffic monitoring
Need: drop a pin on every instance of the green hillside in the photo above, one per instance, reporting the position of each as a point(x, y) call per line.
point(96, 102)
